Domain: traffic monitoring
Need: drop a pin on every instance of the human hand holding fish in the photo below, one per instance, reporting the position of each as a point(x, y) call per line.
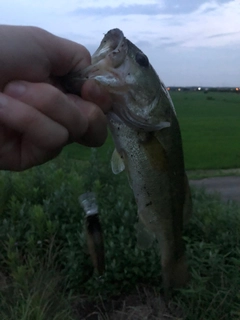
point(37, 116)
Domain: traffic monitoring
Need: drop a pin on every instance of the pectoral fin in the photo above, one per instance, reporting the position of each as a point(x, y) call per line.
point(162, 125)
point(161, 138)
point(156, 127)
point(117, 163)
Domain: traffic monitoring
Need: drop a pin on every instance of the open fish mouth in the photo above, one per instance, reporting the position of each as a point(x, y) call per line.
point(104, 69)
point(113, 44)
point(107, 58)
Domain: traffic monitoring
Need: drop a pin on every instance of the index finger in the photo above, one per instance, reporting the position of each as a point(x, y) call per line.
point(33, 54)
point(64, 55)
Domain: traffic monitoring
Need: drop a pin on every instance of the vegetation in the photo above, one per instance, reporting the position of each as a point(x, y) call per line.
point(45, 268)
point(210, 130)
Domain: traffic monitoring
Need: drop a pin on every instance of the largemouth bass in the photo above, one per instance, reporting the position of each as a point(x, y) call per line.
point(147, 137)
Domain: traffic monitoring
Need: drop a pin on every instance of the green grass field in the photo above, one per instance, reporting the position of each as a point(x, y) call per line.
point(210, 130)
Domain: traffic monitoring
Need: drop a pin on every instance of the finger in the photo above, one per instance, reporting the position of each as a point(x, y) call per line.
point(33, 54)
point(91, 91)
point(53, 103)
point(17, 154)
point(96, 133)
point(32, 124)
point(79, 117)
point(64, 55)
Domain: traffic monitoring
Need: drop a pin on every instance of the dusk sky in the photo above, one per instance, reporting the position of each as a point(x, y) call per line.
point(188, 42)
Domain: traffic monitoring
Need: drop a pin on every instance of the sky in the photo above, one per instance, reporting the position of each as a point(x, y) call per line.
point(188, 42)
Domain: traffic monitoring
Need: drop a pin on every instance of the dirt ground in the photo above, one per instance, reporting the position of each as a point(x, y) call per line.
point(227, 187)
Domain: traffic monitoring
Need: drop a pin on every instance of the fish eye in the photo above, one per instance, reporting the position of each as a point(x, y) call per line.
point(141, 59)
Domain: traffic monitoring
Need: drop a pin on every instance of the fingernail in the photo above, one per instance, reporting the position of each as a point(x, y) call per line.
point(15, 89)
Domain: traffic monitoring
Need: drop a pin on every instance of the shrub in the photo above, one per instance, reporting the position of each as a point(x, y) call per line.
point(42, 223)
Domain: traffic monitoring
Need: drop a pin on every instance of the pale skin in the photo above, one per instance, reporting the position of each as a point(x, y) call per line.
point(37, 117)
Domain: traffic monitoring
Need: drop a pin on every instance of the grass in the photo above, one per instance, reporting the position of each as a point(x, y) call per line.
point(210, 131)
point(35, 297)
point(45, 270)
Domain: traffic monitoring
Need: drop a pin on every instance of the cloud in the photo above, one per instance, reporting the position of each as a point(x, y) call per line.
point(182, 22)
point(144, 7)
point(115, 3)
point(170, 44)
point(219, 35)
point(182, 6)
point(148, 22)
point(198, 28)
point(123, 10)
point(178, 7)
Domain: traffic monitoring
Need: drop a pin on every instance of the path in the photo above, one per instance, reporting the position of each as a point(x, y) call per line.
point(228, 187)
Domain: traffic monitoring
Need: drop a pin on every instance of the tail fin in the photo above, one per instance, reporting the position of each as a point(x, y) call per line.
point(180, 273)
point(175, 275)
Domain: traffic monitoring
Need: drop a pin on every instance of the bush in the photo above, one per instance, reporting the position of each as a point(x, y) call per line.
point(41, 204)
point(42, 223)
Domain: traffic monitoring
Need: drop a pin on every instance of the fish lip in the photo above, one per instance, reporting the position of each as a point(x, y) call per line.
point(111, 43)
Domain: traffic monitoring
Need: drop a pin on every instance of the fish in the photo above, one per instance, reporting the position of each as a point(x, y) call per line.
point(146, 133)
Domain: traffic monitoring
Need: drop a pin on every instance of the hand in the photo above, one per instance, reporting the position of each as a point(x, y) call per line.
point(37, 118)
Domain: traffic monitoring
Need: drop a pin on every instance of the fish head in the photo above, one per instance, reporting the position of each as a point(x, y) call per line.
point(139, 97)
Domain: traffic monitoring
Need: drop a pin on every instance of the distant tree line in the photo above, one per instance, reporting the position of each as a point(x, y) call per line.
point(206, 89)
